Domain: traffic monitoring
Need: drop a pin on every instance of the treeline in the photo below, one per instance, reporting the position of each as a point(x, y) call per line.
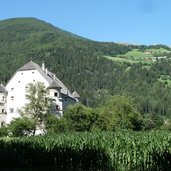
point(145, 47)
point(115, 114)
point(79, 63)
point(96, 79)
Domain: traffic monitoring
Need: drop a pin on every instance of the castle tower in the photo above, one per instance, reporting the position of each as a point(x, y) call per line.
point(3, 96)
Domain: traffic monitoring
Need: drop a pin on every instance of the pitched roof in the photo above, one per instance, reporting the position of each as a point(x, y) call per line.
point(50, 77)
point(75, 94)
point(54, 84)
point(2, 89)
point(29, 66)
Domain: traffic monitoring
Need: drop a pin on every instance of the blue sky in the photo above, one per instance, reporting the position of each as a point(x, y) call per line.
point(133, 21)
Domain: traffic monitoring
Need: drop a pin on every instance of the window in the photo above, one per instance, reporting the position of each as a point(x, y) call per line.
point(2, 124)
point(32, 72)
point(21, 73)
point(18, 81)
point(11, 110)
point(55, 94)
point(12, 89)
point(3, 98)
point(12, 97)
point(34, 80)
point(3, 110)
point(65, 98)
point(57, 107)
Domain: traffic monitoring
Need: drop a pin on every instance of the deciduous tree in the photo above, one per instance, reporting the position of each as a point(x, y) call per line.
point(38, 107)
point(21, 127)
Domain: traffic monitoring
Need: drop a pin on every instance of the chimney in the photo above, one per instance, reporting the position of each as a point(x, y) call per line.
point(54, 76)
point(46, 71)
point(43, 66)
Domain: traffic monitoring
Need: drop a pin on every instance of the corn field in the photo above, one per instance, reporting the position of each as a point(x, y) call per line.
point(106, 151)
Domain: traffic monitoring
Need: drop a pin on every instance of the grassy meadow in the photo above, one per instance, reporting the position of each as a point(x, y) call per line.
point(146, 57)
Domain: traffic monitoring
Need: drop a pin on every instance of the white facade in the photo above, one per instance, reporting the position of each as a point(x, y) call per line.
point(16, 88)
point(32, 73)
point(3, 96)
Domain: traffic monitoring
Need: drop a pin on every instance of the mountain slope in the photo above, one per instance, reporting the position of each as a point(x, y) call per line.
point(80, 64)
point(21, 38)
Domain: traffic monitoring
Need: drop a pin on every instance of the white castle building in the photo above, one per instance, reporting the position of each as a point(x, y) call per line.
point(13, 95)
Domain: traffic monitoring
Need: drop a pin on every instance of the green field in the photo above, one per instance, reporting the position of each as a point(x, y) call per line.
point(122, 60)
point(129, 61)
point(137, 56)
point(136, 53)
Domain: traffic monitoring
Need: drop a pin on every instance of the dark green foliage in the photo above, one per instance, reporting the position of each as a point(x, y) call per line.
point(3, 132)
point(105, 151)
point(118, 112)
point(55, 125)
point(21, 127)
point(79, 118)
point(79, 63)
point(61, 152)
point(152, 121)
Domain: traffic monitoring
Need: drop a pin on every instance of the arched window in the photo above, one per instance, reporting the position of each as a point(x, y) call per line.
point(55, 94)
point(57, 107)
point(2, 124)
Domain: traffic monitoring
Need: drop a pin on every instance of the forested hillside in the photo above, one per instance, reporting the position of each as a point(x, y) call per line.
point(81, 65)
